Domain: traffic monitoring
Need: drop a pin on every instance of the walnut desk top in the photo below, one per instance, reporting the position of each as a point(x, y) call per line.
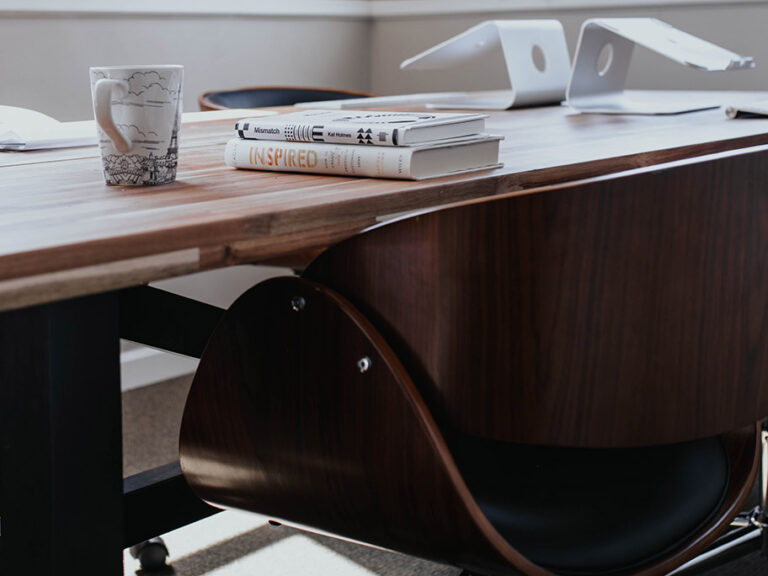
point(64, 233)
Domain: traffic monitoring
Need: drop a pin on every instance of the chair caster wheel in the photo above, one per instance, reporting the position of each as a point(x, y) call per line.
point(151, 554)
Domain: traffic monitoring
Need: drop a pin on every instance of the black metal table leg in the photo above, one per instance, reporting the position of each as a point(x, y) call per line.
point(61, 484)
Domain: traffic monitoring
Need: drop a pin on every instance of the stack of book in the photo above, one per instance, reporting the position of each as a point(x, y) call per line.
point(408, 145)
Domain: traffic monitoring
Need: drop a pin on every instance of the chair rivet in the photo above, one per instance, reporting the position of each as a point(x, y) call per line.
point(298, 303)
point(364, 364)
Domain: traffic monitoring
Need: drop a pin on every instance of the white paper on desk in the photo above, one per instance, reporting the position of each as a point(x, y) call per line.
point(419, 99)
point(22, 129)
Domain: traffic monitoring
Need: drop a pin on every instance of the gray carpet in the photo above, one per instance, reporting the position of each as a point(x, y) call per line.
point(151, 417)
point(151, 420)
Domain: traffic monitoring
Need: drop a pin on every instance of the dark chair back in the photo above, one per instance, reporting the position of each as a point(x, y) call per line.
point(262, 96)
point(626, 311)
point(561, 381)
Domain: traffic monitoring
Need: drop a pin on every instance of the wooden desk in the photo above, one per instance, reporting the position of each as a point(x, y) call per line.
point(63, 232)
point(70, 248)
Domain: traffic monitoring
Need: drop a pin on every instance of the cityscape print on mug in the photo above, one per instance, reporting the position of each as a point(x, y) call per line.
point(145, 109)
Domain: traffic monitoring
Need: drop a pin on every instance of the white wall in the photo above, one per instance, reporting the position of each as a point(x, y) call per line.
point(45, 58)
point(738, 27)
point(46, 55)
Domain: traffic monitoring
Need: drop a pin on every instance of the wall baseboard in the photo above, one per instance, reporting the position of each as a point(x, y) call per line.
point(355, 9)
point(399, 9)
point(144, 366)
point(286, 8)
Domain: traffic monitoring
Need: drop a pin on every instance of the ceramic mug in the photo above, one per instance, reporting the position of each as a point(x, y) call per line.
point(138, 113)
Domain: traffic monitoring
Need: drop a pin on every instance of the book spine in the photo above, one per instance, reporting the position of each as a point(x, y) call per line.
point(329, 133)
point(345, 160)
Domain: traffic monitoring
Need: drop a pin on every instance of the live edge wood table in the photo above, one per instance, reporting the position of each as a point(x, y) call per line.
point(75, 253)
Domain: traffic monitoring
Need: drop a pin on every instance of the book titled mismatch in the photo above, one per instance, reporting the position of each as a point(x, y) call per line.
point(374, 128)
point(379, 144)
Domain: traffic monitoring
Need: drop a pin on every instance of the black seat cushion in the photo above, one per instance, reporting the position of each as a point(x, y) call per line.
point(257, 97)
point(595, 511)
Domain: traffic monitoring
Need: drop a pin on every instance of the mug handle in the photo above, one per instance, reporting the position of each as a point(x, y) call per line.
point(102, 107)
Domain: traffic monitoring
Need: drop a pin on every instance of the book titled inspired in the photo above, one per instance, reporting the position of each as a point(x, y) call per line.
point(374, 128)
point(411, 163)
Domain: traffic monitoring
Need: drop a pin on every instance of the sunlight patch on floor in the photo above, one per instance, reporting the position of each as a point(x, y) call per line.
point(294, 556)
point(202, 534)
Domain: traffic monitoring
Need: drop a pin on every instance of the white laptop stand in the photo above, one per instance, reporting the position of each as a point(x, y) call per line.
point(602, 60)
point(535, 54)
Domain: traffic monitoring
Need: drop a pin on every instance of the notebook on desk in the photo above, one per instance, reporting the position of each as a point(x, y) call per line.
point(22, 129)
point(420, 99)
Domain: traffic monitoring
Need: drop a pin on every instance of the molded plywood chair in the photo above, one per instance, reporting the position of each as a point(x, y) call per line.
point(564, 382)
point(260, 96)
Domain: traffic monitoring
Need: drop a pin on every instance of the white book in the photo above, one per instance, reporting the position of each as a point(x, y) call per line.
point(410, 163)
point(365, 127)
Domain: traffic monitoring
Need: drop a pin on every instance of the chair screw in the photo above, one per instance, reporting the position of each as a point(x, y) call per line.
point(298, 303)
point(364, 364)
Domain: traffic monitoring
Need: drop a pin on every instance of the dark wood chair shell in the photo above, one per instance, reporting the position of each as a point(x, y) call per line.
point(627, 311)
point(284, 419)
point(606, 315)
point(314, 439)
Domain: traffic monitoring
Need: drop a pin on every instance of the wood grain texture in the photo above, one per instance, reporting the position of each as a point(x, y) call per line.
point(631, 311)
point(281, 421)
point(40, 288)
point(56, 213)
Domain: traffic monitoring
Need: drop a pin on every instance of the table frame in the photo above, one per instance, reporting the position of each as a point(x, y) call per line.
point(61, 402)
